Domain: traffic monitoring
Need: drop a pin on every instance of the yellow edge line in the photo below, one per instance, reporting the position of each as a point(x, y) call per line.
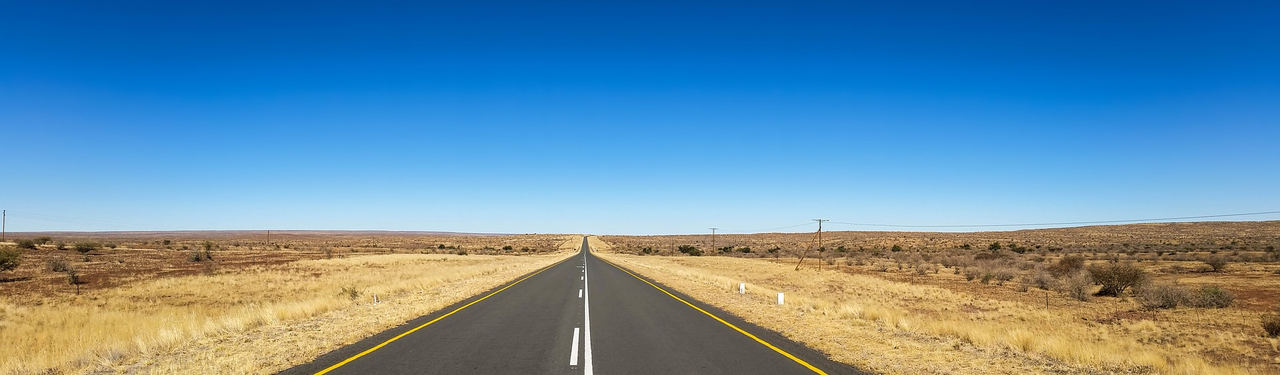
point(415, 329)
point(713, 316)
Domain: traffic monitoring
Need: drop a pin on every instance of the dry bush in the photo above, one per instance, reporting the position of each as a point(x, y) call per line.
point(1077, 286)
point(1216, 263)
point(1068, 265)
point(1161, 296)
point(1002, 276)
point(1116, 277)
point(57, 265)
point(350, 292)
point(1044, 281)
point(1271, 324)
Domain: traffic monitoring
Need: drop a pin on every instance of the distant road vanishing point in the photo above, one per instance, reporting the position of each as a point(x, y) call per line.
point(579, 316)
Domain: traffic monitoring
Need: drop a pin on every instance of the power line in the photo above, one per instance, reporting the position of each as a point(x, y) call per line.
point(1059, 223)
point(769, 229)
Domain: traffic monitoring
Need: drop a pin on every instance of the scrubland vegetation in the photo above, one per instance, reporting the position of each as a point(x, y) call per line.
point(1190, 298)
point(219, 303)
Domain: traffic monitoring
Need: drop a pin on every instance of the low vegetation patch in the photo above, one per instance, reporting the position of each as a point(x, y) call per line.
point(10, 258)
point(252, 320)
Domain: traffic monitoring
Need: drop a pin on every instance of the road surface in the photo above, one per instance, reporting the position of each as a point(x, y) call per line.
point(580, 316)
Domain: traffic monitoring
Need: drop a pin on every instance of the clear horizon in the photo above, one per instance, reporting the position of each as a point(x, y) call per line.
point(637, 119)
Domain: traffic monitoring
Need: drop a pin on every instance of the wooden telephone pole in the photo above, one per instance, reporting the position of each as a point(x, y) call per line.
point(804, 253)
point(713, 240)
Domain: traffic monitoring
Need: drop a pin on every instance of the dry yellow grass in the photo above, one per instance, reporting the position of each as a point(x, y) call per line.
point(597, 244)
point(259, 319)
point(904, 328)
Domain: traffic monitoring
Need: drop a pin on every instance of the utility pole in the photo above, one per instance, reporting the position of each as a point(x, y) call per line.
point(821, 252)
point(4, 222)
point(804, 253)
point(713, 239)
point(268, 238)
point(820, 231)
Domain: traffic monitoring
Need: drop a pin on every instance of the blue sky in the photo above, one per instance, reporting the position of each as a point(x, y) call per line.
point(645, 117)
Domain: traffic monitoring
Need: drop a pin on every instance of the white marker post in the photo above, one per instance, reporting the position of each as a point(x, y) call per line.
point(742, 288)
point(779, 298)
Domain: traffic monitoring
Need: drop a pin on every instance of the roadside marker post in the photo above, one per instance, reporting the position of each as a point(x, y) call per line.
point(742, 288)
point(779, 298)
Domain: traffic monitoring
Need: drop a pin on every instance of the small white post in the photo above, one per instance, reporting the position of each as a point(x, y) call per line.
point(742, 288)
point(375, 298)
point(779, 298)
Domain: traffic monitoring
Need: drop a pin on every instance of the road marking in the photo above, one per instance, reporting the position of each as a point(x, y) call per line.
point(586, 317)
point(579, 293)
point(713, 316)
point(415, 329)
point(573, 354)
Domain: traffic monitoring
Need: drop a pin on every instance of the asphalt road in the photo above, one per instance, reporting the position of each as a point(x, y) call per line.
point(579, 316)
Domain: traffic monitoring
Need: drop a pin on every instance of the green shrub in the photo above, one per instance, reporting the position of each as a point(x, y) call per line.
point(206, 250)
point(1212, 297)
point(73, 278)
point(994, 246)
point(1216, 263)
point(84, 247)
point(507, 248)
point(1067, 265)
point(43, 240)
point(896, 248)
point(27, 244)
point(1271, 324)
point(57, 265)
point(10, 258)
point(690, 250)
point(1116, 277)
